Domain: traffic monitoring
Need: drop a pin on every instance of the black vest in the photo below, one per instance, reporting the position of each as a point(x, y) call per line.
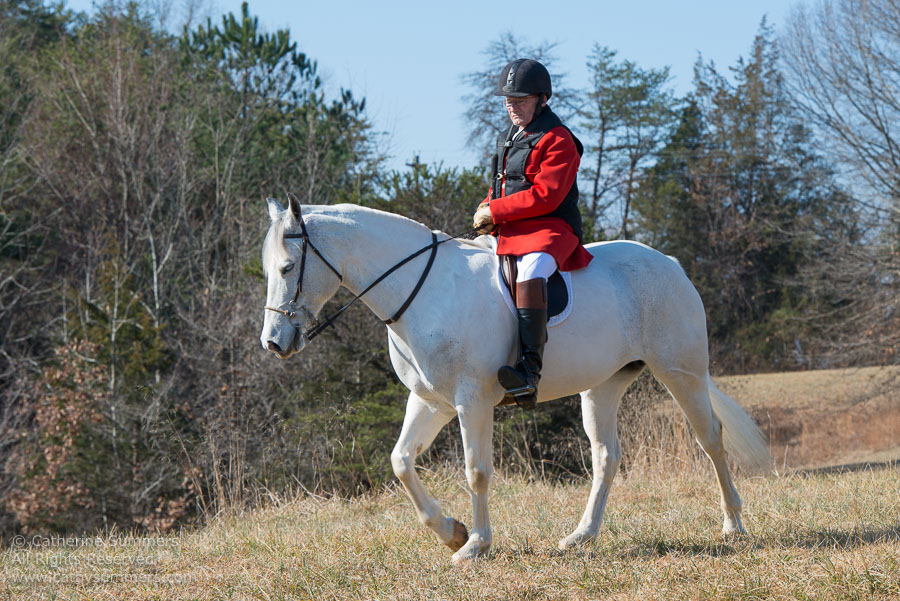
point(516, 155)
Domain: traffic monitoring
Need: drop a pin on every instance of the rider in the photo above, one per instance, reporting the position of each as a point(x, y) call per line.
point(533, 210)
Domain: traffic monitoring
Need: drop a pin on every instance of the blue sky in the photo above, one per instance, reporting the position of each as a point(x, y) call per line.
point(406, 57)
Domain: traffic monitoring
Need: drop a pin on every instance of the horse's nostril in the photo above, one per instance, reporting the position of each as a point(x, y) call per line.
point(273, 346)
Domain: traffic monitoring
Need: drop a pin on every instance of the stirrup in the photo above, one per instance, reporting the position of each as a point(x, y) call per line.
point(524, 401)
point(520, 390)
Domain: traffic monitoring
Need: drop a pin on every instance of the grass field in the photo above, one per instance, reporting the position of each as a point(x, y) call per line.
point(813, 534)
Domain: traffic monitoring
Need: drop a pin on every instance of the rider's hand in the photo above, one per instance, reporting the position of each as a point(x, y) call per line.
point(482, 222)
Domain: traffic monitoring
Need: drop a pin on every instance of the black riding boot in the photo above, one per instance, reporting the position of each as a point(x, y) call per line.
point(521, 381)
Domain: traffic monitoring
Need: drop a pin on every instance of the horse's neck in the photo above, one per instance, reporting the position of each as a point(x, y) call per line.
point(366, 244)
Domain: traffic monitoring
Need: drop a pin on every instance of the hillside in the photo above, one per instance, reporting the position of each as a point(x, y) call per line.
point(826, 417)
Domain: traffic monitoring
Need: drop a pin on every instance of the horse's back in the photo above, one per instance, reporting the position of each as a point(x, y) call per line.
point(659, 311)
point(641, 275)
point(617, 254)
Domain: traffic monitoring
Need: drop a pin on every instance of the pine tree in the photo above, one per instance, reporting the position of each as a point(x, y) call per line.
point(626, 116)
point(737, 196)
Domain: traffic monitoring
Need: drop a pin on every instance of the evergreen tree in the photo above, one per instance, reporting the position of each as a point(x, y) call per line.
point(626, 116)
point(736, 196)
point(666, 216)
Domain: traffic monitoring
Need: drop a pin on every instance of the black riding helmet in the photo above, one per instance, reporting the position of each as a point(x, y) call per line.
point(524, 77)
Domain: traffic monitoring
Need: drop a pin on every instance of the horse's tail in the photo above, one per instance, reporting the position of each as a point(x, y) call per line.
point(743, 438)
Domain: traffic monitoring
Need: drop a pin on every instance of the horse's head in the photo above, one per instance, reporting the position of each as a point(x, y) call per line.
point(298, 283)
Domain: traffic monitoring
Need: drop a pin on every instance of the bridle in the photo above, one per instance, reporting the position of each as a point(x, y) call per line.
point(318, 328)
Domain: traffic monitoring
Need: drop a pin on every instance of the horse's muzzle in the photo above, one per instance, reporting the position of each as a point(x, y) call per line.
point(296, 344)
point(279, 352)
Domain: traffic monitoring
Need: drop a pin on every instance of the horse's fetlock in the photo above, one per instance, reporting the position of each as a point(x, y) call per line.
point(479, 538)
point(435, 521)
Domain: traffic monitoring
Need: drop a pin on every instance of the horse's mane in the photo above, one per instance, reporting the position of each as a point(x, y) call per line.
point(274, 247)
point(483, 242)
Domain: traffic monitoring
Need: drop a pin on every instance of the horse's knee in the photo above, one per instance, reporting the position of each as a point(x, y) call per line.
point(606, 458)
point(608, 454)
point(479, 479)
point(402, 463)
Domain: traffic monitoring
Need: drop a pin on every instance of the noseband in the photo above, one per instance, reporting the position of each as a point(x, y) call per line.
point(317, 329)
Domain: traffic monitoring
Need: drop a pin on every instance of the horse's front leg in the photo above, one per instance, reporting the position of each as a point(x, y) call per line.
point(421, 424)
point(476, 420)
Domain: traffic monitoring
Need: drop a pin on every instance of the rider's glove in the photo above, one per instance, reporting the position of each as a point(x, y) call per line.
point(482, 222)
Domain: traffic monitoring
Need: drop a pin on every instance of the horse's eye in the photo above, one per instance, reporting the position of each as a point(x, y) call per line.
point(287, 268)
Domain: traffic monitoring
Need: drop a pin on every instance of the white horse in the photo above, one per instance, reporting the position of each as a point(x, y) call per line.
point(633, 306)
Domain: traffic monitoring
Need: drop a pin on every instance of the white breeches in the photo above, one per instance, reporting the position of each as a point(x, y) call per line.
point(535, 265)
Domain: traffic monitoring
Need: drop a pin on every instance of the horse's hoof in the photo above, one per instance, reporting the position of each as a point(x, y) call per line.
point(460, 536)
point(575, 539)
point(733, 528)
point(470, 551)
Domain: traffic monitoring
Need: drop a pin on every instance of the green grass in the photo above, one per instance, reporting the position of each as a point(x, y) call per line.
point(812, 536)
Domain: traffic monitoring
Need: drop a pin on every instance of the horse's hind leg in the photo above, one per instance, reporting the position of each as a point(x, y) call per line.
point(692, 393)
point(598, 409)
point(421, 424)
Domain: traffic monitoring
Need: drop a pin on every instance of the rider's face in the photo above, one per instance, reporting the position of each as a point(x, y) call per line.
point(521, 110)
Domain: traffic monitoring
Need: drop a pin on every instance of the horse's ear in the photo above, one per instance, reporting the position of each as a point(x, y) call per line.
point(294, 204)
point(275, 208)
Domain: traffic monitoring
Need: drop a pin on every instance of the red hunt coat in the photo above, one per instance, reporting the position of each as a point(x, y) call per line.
point(530, 212)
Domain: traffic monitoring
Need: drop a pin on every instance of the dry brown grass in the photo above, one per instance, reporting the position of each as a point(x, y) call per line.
point(820, 390)
point(813, 536)
point(826, 417)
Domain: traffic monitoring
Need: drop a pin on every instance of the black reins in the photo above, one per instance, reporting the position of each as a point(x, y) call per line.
point(317, 329)
point(320, 327)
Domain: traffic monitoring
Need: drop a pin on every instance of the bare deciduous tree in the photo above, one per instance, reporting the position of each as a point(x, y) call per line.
point(843, 65)
point(842, 60)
